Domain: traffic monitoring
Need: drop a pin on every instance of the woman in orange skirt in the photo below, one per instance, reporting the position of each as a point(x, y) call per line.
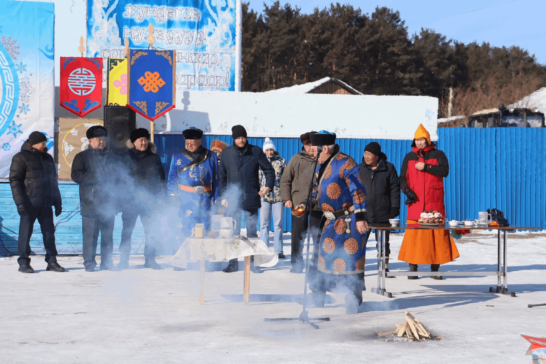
point(421, 179)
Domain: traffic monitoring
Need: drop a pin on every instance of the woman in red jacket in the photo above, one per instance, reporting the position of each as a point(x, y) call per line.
point(421, 179)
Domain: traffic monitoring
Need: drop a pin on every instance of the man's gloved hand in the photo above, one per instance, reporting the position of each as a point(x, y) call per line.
point(411, 196)
point(21, 210)
point(58, 210)
point(395, 211)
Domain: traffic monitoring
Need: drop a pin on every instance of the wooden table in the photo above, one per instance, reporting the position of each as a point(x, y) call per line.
point(502, 265)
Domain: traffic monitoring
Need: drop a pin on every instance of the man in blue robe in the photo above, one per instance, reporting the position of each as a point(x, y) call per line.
point(194, 177)
point(342, 247)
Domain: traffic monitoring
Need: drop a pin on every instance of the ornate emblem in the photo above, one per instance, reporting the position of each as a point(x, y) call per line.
point(179, 162)
point(81, 81)
point(160, 106)
point(197, 173)
point(151, 82)
point(143, 105)
point(339, 265)
point(350, 246)
point(329, 245)
point(333, 191)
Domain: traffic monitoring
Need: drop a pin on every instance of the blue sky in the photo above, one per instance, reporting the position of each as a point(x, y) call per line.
point(499, 22)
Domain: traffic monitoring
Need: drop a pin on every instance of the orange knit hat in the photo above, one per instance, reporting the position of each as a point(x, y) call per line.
point(422, 133)
point(218, 144)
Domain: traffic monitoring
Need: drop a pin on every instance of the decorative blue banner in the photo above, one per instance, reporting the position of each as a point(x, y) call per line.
point(201, 31)
point(151, 82)
point(26, 76)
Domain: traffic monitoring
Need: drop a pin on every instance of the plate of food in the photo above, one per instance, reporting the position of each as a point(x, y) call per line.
point(431, 218)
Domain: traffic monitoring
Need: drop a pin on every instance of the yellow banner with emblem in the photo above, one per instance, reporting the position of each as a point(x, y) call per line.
point(117, 81)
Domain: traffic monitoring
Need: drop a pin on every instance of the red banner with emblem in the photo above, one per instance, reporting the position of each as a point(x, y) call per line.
point(81, 84)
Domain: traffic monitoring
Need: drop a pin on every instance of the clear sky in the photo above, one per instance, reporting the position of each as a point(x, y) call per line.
point(499, 22)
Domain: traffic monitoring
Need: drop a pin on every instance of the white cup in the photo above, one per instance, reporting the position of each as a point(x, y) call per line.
point(394, 222)
point(453, 223)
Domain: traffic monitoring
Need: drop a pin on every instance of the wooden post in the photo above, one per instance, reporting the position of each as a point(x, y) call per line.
point(202, 283)
point(126, 48)
point(247, 280)
point(81, 48)
point(152, 131)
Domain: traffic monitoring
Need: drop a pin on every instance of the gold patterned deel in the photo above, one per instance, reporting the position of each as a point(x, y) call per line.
point(339, 265)
point(350, 246)
point(329, 245)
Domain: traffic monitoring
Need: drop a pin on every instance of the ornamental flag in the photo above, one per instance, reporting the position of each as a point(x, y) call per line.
point(81, 84)
point(151, 82)
point(117, 82)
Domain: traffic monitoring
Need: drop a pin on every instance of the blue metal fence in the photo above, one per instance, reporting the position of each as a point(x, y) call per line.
point(489, 168)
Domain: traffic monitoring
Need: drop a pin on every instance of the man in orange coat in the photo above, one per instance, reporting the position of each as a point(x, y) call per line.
point(421, 179)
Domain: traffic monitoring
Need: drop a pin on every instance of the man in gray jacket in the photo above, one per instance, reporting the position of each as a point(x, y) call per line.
point(294, 190)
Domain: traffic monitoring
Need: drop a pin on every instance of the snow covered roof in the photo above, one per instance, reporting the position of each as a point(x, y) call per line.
point(485, 111)
point(536, 100)
point(310, 86)
point(453, 118)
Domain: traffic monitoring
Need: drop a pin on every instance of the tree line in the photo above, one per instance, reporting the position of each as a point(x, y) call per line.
point(376, 55)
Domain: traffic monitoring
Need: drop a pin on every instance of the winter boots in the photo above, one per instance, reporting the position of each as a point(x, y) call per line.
point(26, 268)
point(413, 268)
point(233, 266)
point(151, 263)
point(436, 268)
point(54, 267)
point(387, 268)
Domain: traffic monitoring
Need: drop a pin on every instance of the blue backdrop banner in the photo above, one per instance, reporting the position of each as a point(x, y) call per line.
point(201, 31)
point(26, 76)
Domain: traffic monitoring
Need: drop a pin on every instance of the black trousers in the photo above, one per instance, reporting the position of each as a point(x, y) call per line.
point(387, 244)
point(299, 231)
point(26, 227)
point(91, 227)
point(129, 219)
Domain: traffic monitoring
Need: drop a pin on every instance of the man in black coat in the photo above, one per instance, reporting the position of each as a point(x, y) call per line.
point(94, 169)
point(382, 190)
point(149, 190)
point(238, 177)
point(35, 189)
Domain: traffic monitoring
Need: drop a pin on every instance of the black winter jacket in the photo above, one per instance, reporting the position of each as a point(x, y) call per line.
point(148, 173)
point(33, 179)
point(240, 168)
point(99, 173)
point(382, 190)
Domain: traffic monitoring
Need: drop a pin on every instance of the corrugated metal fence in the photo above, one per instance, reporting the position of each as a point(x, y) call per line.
point(489, 168)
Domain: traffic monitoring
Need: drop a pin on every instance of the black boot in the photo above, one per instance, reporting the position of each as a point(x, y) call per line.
point(151, 263)
point(387, 268)
point(319, 298)
point(233, 266)
point(436, 268)
point(413, 268)
point(54, 267)
point(26, 268)
point(353, 301)
point(123, 262)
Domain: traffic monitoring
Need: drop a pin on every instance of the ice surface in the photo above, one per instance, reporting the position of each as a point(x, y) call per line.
point(146, 316)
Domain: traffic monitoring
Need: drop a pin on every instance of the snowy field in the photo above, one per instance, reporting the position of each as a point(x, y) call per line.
point(146, 316)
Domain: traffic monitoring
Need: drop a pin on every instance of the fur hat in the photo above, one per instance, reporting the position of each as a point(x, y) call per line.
point(218, 144)
point(306, 138)
point(36, 137)
point(96, 131)
point(139, 133)
point(192, 133)
point(323, 137)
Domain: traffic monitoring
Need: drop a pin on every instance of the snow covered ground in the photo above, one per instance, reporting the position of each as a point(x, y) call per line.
point(145, 316)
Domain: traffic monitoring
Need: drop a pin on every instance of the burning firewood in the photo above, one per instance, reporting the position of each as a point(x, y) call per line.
point(412, 329)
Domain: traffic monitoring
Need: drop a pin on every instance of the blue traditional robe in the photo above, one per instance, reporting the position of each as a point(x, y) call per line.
point(196, 208)
point(341, 252)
